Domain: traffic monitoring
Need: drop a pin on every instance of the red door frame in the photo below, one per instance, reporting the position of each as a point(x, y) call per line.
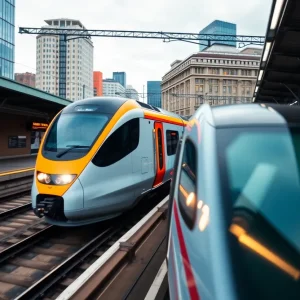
point(160, 170)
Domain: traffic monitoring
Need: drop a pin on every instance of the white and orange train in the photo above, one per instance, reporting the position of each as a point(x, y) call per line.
point(99, 156)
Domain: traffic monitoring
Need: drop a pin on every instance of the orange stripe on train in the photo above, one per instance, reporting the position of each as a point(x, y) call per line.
point(163, 118)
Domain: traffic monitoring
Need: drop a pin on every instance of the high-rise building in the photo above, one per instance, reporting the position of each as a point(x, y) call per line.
point(131, 93)
point(113, 88)
point(220, 75)
point(154, 93)
point(120, 77)
point(218, 27)
point(26, 78)
point(7, 36)
point(98, 85)
point(65, 68)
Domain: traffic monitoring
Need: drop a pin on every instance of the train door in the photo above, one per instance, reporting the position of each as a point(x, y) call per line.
point(160, 154)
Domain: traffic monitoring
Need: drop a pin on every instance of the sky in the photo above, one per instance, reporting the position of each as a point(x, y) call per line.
point(141, 59)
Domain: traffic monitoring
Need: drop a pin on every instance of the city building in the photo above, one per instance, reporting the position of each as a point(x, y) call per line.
point(7, 36)
point(113, 88)
point(26, 78)
point(120, 77)
point(98, 85)
point(131, 93)
point(65, 68)
point(154, 93)
point(220, 75)
point(218, 27)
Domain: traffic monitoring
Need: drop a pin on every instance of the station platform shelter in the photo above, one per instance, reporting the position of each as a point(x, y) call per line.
point(25, 114)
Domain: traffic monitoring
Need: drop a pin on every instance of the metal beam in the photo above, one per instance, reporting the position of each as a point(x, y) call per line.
point(162, 35)
point(294, 83)
point(274, 93)
point(287, 54)
point(285, 71)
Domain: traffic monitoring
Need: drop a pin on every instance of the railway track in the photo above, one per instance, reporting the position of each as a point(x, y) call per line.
point(17, 220)
point(42, 265)
point(15, 183)
point(14, 205)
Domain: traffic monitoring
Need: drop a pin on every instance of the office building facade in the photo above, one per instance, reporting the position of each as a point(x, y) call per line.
point(218, 27)
point(7, 38)
point(65, 68)
point(131, 93)
point(113, 88)
point(212, 77)
point(154, 93)
point(26, 78)
point(120, 77)
point(98, 85)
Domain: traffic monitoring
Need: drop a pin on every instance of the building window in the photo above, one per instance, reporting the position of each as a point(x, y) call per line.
point(199, 70)
point(172, 140)
point(122, 142)
point(199, 80)
point(213, 71)
point(187, 192)
point(225, 71)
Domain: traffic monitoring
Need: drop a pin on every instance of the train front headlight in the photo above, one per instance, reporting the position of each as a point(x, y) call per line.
point(63, 179)
point(55, 179)
point(43, 177)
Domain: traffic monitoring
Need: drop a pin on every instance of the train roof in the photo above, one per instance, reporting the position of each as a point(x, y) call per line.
point(250, 115)
point(112, 104)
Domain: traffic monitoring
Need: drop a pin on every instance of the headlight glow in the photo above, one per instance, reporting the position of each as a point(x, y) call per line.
point(44, 178)
point(55, 179)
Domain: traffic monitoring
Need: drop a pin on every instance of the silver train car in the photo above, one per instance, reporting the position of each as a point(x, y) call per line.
point(233, 223)
point(99, 156)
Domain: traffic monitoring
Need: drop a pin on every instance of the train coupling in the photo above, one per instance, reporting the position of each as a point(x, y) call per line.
point(39, 212)
point(44, 206)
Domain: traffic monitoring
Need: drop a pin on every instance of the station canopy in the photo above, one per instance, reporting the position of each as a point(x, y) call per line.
point(16, 98)
point(279, 75)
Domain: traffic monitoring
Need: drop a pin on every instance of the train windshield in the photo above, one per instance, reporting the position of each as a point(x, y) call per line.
point(260, 177)
point(72, 135)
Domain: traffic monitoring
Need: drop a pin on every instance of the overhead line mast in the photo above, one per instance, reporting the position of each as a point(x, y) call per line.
point(66, 34)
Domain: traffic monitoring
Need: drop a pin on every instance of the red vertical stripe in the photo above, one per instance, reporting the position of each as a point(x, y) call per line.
point(160, 173)
point(186, 262)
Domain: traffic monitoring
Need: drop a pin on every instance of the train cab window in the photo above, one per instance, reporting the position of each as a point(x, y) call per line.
point(187, 189)
point(72, 135)
point(122, 142)
point(172, 141)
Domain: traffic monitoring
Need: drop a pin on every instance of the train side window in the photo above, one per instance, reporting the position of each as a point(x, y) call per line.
point(187, 189)
point(160, 151)
point(172, 141)
point(122, 142)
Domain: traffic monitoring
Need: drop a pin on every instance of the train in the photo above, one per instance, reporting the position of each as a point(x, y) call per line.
point(100, 156)
point(233, 219)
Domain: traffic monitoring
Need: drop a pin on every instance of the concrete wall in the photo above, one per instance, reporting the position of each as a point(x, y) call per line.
point(13, 125)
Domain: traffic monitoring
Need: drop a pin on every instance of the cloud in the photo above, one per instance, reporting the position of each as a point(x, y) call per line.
point(142, 59)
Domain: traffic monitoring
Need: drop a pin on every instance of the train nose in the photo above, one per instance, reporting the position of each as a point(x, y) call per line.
point(59, 207)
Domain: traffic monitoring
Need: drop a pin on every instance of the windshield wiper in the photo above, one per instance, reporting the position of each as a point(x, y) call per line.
point(60, 154)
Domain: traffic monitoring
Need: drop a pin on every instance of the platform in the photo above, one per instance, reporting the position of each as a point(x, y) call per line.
point(16, 163)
